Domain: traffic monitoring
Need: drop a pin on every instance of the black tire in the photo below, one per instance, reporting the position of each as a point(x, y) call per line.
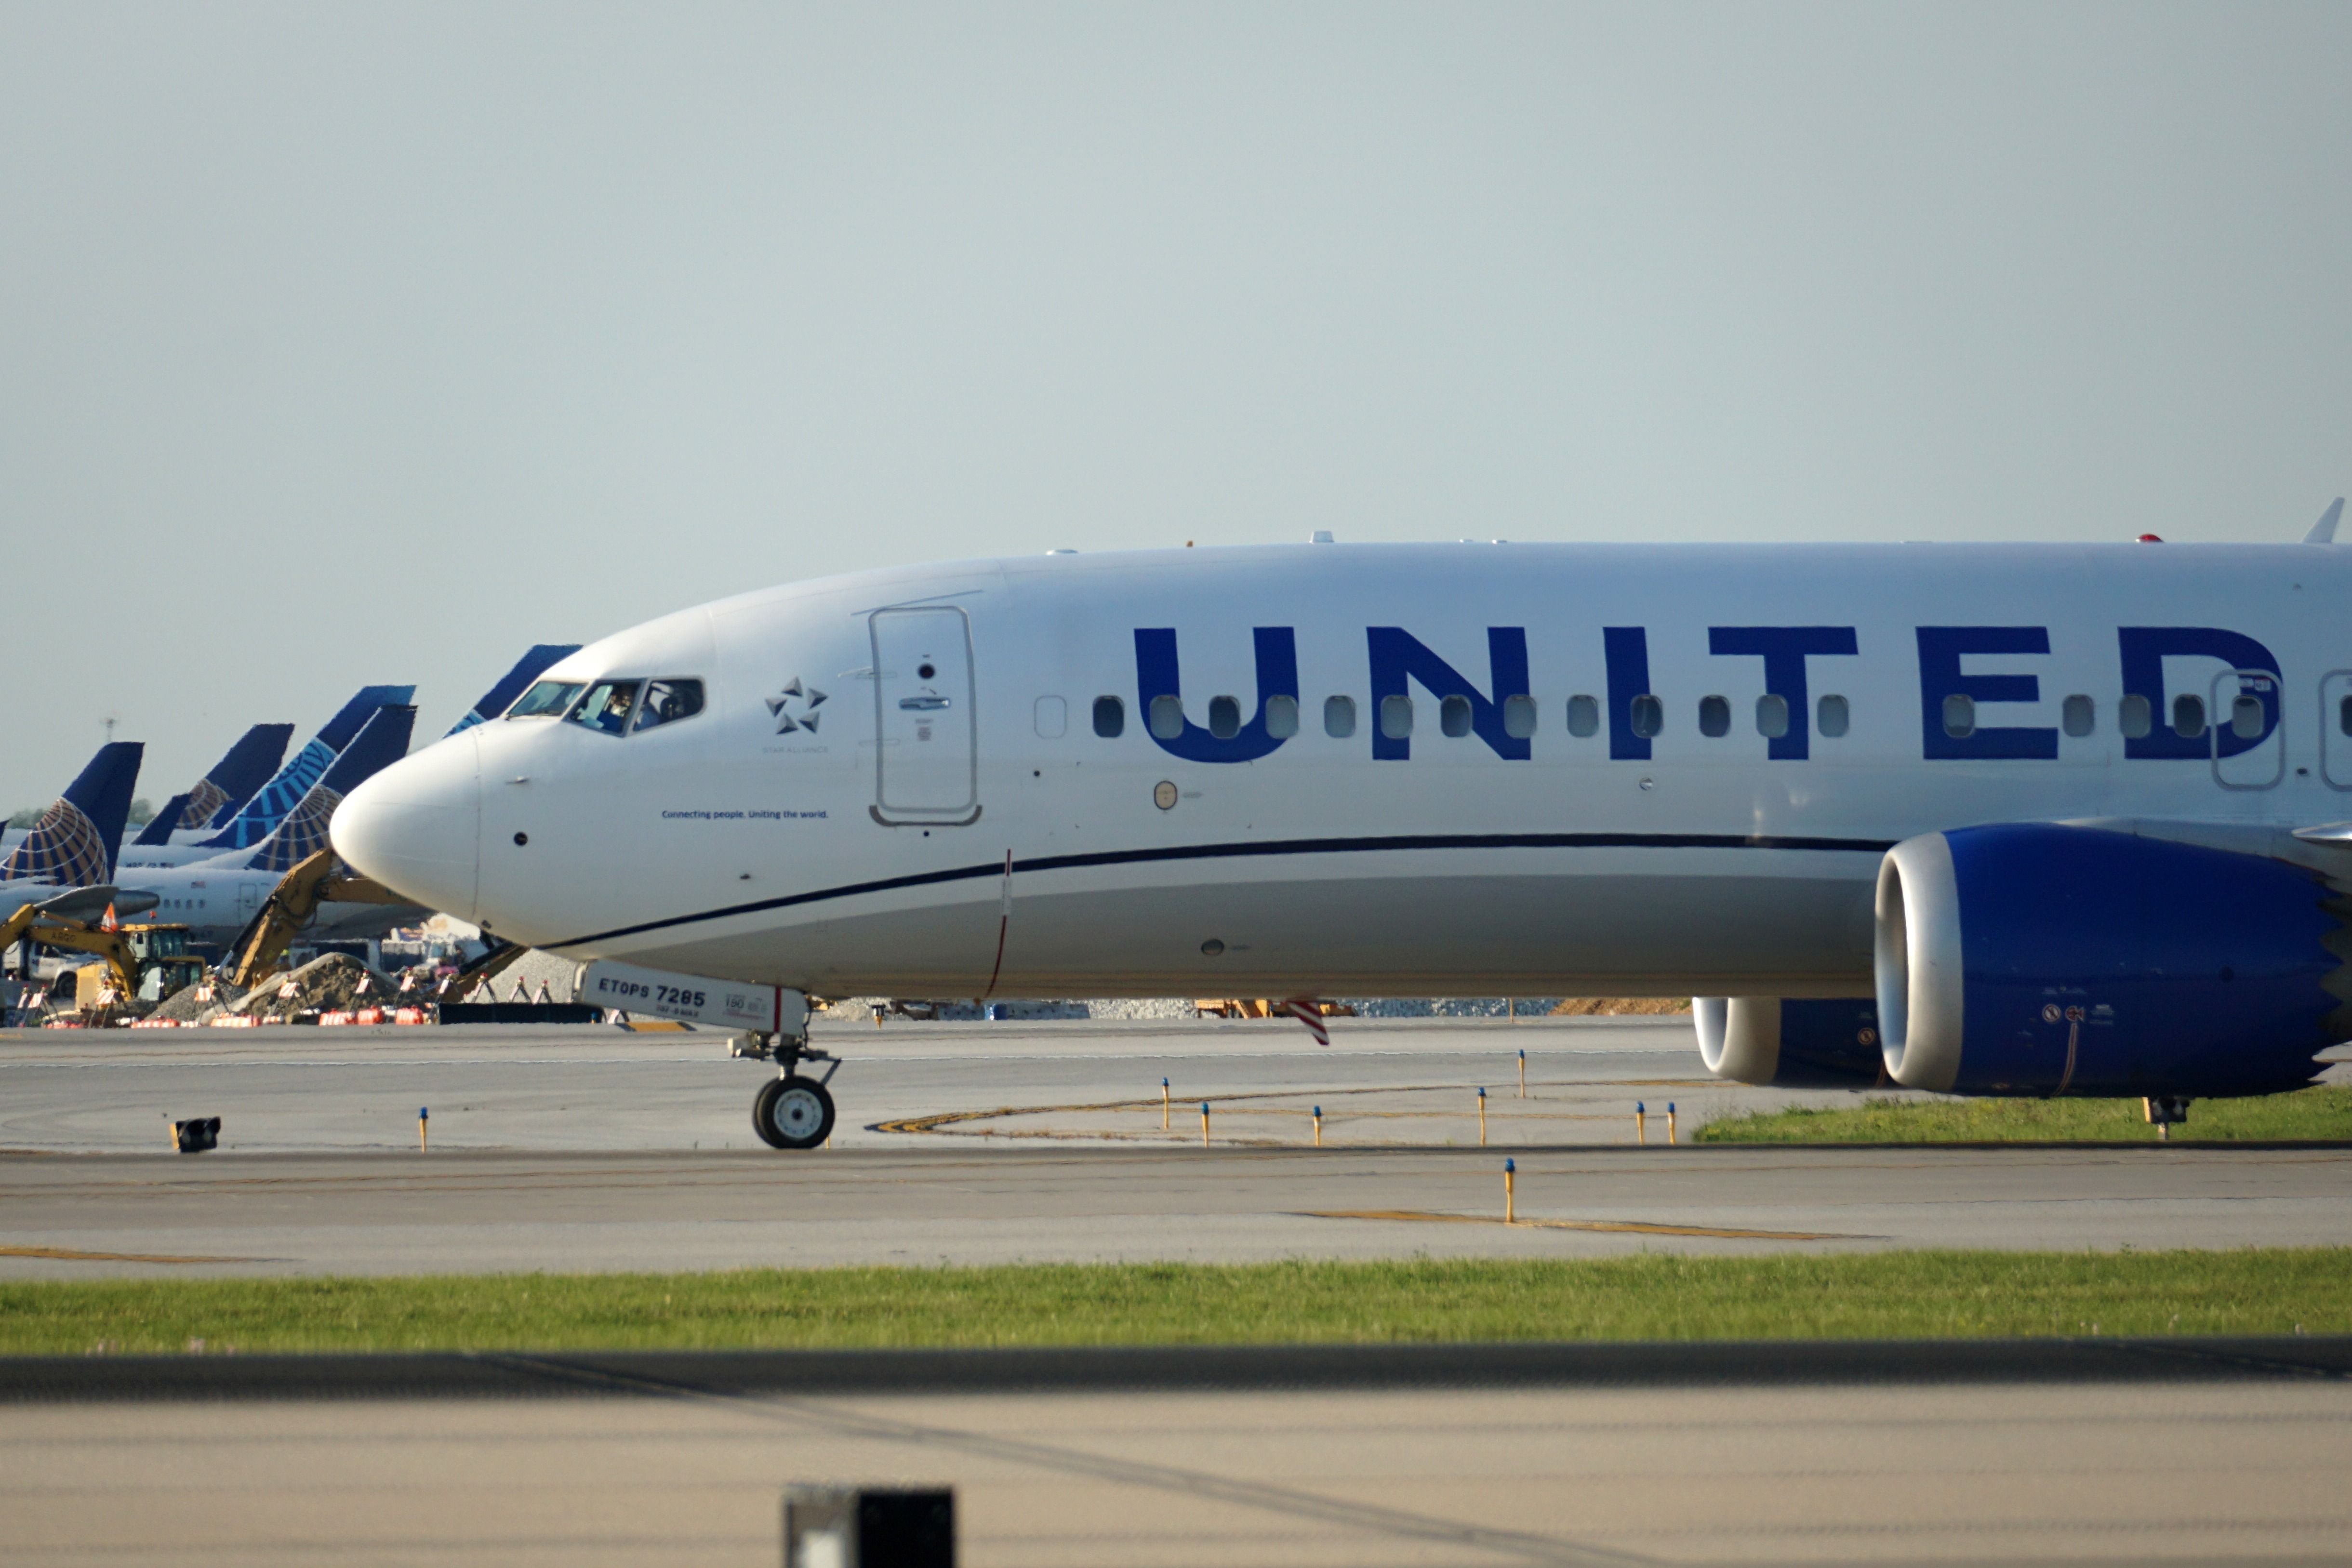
point(792, 1113)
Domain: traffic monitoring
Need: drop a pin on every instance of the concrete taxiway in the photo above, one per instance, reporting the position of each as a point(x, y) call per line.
point(596, 1150)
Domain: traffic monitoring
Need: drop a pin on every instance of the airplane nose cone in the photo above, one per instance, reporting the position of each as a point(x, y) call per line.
point(416, 827)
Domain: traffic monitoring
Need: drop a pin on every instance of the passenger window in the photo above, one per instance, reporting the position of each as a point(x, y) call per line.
point(1454, 717)
point(1960, 715)
point(2188, 716)
point(1771, 715)
point(1831, 717)
point(1396, 717)
point(1168, 717)
point(1339, 717)
point(2246, 717)
point(1281, 717)
point(1584, 716)
point(1110, 718)
point(1225, 717)
point(2079, 715)
point(1648, 715)
point(1714, 718)
point(666, 702)
point(1053, 718)
point(548, 699)
point(1518, 717)
point(2134, 719)
point(606, 707)
point(2343, 715)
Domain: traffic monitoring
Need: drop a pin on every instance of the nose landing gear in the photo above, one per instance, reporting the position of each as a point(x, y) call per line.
point(792, 1110)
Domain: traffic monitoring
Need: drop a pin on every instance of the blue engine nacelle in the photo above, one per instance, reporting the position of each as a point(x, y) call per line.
point(2038, 960)
point(1790, 1043)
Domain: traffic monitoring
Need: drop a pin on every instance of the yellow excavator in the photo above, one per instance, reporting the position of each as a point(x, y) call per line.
point(296, 898)
point(130, 952)
point(288, 909)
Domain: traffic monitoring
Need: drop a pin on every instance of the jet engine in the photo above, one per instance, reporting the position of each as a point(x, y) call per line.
point(2031, 959)
point(1794, 1042)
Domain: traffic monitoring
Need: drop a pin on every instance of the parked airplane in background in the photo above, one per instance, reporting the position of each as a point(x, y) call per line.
point(223, 790)
point(245, 826)
point(215, 897)
point(66, 862)
point(2024, 819)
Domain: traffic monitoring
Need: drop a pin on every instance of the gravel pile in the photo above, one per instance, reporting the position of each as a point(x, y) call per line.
point(332, 982)
point(192, 1005)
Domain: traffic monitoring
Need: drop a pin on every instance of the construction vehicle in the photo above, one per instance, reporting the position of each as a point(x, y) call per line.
point(128, 955)
point(313, 881)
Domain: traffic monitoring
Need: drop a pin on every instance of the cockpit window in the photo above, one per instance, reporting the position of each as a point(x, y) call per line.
point(548, 699)
point(668, 701)
point(607, 706)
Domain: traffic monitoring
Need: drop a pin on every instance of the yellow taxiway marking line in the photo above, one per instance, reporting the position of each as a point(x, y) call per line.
point(1624, 1226)
point(70, 1256)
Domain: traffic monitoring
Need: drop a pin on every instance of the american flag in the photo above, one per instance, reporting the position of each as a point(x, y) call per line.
point(1310, 1011)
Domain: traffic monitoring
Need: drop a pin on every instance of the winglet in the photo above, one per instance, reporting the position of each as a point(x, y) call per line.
point(2323, 530)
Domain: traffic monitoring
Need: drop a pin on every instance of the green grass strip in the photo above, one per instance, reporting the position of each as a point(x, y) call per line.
point(1644, 1296)
point(2321, 1112)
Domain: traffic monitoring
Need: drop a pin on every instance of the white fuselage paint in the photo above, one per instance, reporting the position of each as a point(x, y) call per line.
point(861, 856)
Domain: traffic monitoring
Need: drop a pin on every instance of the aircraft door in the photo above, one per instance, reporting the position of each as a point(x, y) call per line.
point(2335, 728)
point(927, 767)
point(2248, 729)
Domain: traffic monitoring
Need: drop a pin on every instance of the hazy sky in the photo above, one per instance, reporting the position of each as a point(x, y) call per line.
point(342, 344)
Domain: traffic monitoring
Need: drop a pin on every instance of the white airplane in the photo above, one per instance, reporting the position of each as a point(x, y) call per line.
point(1991, 819)
point(216, 899)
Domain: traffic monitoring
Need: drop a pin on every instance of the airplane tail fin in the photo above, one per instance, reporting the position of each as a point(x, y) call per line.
point(303, 833)
point(228, 786)
point(159, 826)
point(76, 841)
point(245, 768)
point(513, 683)
point(268, 806)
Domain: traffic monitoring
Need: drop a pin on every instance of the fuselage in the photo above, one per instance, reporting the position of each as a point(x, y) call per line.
point(1515, 768)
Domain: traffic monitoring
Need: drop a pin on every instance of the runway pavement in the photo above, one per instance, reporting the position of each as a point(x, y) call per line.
point(1705, 1472)
point(596, 1150)
point(589, 1149)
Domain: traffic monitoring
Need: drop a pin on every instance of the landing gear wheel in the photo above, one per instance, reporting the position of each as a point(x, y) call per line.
point(792, 1113)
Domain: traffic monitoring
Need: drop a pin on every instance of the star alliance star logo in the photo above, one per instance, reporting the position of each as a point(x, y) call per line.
point(809, 699)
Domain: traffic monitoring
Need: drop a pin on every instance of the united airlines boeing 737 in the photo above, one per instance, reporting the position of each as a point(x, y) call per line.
point(2026, 820)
